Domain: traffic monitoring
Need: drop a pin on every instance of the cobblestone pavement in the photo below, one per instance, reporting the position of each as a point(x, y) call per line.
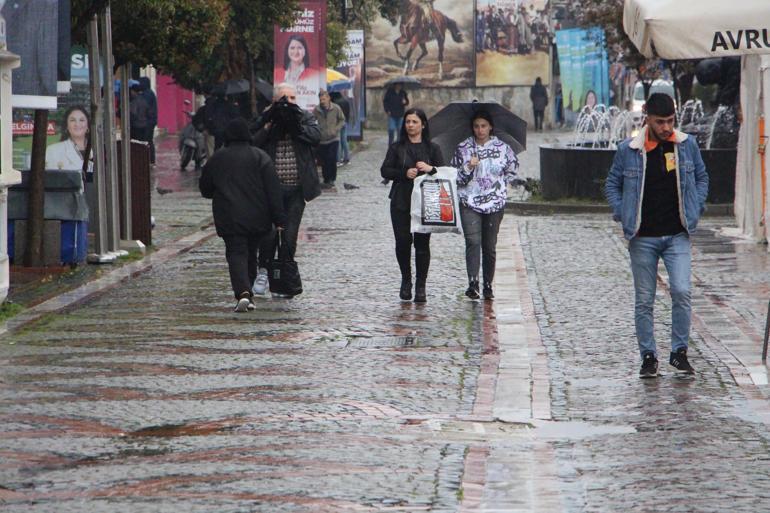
point(155, 397)
point(697, 445)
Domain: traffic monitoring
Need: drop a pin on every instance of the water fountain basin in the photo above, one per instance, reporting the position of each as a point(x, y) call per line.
point(579, 172)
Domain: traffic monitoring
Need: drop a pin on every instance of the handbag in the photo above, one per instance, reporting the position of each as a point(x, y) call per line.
point(434, 206)
point(283, 271)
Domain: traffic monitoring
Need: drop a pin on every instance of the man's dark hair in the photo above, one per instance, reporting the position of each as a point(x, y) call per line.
point(659, 104)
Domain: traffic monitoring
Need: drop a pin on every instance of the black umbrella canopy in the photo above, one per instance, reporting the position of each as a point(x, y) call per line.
point(406, 82)
point(454, 120)
point(232, 86)
point(265, 88)
point(449, 140)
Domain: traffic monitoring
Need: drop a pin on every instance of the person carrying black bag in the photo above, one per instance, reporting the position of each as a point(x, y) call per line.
point(413, 154)
point(288, 135)
point(246, 203)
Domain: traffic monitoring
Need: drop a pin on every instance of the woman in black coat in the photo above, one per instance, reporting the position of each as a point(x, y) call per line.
point(412, 155)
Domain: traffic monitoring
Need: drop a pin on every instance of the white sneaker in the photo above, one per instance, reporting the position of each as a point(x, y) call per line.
point(242, 305)
point(260, 283)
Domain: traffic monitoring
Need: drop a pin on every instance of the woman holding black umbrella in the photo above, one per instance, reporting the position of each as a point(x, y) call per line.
point(413, 154)
point(485, 165)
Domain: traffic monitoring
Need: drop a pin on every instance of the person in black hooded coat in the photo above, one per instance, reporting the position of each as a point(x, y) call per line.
point(248, 202)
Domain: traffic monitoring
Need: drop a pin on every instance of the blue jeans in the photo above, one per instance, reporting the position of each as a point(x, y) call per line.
point(394, 127)
point(344, 152)
point(675, 250)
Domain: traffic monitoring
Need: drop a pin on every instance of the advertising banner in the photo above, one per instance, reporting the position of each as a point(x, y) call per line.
point(431, 40)
point(512, 42)
point(353, 68)
point(32, 34)
point(300, 53)
point(584, 68)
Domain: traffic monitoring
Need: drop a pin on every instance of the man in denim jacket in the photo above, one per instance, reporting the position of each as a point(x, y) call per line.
point(657, 189)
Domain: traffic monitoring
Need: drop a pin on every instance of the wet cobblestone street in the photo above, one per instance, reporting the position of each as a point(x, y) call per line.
point(156, 395)
point(697, 444)
point(153, 396)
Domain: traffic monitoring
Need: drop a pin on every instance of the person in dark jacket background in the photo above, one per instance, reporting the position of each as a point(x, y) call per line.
point(539, 96)
point(139, 112)
point(288, 134)
point(344, 104)
point(394, 102)
point(246, 195)
point(219, 111)
point(412, 155)
point(152, 114)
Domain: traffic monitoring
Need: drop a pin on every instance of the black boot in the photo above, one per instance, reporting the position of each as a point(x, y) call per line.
point(419, 293)
point(488, 294)
point(406, 289)
point(473, 289)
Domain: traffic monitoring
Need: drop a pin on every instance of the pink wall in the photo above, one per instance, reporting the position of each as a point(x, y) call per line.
point(171, 105)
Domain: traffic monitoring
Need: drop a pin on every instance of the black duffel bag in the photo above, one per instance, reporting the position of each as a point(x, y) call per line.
point(283, 272)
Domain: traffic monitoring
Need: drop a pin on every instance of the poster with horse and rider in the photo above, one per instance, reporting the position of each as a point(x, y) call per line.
point(431, 40)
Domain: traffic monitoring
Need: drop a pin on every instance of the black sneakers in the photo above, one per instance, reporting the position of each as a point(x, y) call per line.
point(679, 361)
point(488, 294)
point(473, 289)
point(649, 366)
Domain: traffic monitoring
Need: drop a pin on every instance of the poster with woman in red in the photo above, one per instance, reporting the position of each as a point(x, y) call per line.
point(300, 53)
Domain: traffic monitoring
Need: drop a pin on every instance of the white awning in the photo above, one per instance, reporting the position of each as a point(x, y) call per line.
point(696, 29)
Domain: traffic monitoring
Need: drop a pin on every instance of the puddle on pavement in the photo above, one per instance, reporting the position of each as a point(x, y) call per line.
point(176, 430)
point(573, 430)
point(496, 430)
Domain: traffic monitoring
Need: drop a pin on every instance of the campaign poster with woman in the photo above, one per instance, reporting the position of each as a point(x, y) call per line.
point(300, 53)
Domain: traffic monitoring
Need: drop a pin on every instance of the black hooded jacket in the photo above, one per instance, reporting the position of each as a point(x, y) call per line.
point(242, 182)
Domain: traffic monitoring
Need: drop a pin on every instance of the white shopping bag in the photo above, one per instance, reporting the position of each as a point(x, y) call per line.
point(435, 208)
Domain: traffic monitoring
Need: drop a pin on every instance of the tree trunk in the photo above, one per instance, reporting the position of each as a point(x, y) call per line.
point(33, 256)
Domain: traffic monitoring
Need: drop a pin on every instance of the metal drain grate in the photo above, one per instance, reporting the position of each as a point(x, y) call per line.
point(382, 342)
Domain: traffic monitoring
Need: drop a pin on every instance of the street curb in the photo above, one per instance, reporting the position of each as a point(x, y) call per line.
point(532, 208)
point(111, 279)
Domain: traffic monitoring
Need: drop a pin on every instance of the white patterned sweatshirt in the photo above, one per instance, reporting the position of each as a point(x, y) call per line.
point(484, 189)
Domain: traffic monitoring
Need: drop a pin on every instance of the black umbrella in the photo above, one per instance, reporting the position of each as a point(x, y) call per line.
point(265, 88)
point(449, 140)
point(452, 124)
point(405, 81)
point(232, 86)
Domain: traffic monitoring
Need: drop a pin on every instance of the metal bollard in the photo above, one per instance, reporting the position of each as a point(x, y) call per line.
point(767, 334)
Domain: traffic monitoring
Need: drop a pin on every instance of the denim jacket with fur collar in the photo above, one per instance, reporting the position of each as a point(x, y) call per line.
point(624, 187)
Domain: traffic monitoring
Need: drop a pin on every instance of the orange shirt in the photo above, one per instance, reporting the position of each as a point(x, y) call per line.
point(651, 144)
